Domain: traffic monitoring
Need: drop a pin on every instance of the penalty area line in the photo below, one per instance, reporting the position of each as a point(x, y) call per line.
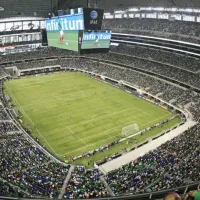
point(142, 125)
point(77, 136)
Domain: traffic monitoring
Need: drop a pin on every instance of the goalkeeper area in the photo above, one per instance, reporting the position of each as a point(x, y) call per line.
point(70, 41)
point(71, 113)
point(130, 130)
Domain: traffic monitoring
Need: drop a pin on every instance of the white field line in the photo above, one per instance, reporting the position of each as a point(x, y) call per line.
point(48, 97)
point(72, 99)
point(110, 115)
point(110, 128)
point(107, 134)
point(77, 136)
point(91, 100)
point(57, 97)
point(143, 111)
point(117, 126)
point(70, 88)
point(134, 108)
point(62, 99)
point(39, 82)
point(143, 126)
point(122, 125)
point(99, 114)
point(90, 120)
point(113, 113)
point(30, 119)
point(107, 112)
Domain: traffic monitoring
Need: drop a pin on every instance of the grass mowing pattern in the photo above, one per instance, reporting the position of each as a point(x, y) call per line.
point(72, 113)
point(126, 145)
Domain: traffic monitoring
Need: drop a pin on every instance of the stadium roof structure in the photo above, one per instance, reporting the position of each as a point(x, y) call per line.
point(114, 4)
point(21, 8)
point(164, 3)
point(39, 8)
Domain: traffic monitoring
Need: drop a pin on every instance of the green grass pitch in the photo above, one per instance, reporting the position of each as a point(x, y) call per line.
point(72, 113)
point(70, 40)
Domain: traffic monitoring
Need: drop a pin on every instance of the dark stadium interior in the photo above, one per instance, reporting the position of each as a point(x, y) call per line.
point(155, 49)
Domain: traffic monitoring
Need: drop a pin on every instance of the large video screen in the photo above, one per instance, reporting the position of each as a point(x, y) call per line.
point(73, 22)
point(96, 39)
point(63, 31)
point(64, 39)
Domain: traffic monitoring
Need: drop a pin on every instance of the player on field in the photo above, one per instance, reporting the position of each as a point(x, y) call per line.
point(60, 28)
point(96, 43)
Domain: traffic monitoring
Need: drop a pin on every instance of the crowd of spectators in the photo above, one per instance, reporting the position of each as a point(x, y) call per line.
point(189, 78)
point(36, 54)
point(170, 58)
point(187, 97)
point(6, 126)
point(177, 67)
point(36, 64)
point(150, 84)
point(179, 30)
point(8, 190)
point(166, 35)
point(3, 114)
point(155, 86)
point(26, 167)
point(25, 170)
point(2, 73)
point(85, 184)
point(171, 93)
point(173, 164)
point(179, 27)
point(95, 151)
point(195, 107)
point(151, 60)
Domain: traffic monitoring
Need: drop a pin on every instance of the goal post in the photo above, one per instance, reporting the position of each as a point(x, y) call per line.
point(130, 130)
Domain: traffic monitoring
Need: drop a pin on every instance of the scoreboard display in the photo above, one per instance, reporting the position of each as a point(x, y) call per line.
point(80, 32)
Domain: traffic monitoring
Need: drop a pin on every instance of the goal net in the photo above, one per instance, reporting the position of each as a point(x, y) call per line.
point(130, 130)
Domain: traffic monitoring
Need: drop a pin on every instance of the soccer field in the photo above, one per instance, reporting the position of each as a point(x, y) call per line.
point(72, 113)
point(70, 40)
